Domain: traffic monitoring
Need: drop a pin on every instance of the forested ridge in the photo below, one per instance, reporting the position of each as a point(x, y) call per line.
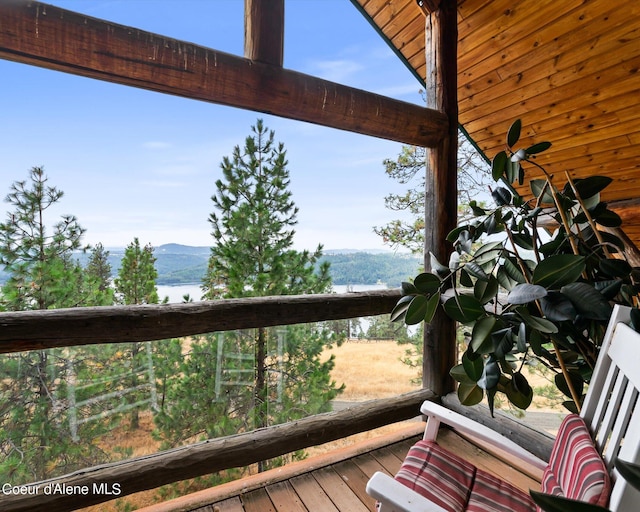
point(182, 264)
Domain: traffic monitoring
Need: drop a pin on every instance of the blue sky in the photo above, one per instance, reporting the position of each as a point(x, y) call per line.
point(136, 163)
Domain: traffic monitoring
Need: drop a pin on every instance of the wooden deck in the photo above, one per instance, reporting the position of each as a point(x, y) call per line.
point(335, 482)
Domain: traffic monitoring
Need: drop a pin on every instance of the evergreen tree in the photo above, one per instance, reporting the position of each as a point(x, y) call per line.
point(35, 439)
point(259, 377)
point(409, 168)
point(136, 284)
point(97, 278)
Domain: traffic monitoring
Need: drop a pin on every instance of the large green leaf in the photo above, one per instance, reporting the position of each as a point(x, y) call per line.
point(501, 196)
point(502, 342)
point(576, 381)
point(539, 324)
point(469, 393)
point(559, 270)
point(490, 375)
point(498, 165)
point(588, 187)
point(629, 471)
point(525, 293)
point(432, 306)
point(400, 308)
point(538, 148)
point(464, 308)
point(614, 268)
point(513, 135)
point(519, 392)
point(588, 301)
point(416, 311)
point(513, 270)
point(472, 364)
point(557, 308)
point(459, 374)
point(481, 342)
point(485, 291)
point(552, 503)
point(540, 190)
point(476, 271)
point(427, 283)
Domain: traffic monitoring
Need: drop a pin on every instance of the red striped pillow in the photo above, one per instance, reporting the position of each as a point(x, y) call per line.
point(576, 470)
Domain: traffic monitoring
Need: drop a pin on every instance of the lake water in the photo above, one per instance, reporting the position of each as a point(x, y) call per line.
point(176, 293)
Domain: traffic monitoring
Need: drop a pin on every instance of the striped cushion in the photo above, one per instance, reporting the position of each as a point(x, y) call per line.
point(576, 470)
point(456, 485)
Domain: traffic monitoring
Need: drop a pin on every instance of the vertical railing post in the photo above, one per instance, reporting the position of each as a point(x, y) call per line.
point(441, 191)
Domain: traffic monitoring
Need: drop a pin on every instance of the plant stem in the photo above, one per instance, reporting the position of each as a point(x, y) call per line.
point(565, 372)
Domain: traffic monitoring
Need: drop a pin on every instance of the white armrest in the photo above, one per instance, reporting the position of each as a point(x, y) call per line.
point(396, 497)
point(465, 425)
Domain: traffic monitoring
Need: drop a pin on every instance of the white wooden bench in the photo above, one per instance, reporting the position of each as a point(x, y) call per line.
point(584, 460)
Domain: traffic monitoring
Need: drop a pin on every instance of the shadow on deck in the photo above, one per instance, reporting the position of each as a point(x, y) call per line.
point(335, 482)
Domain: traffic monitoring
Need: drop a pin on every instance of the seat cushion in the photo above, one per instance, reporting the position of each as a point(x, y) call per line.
point(576, 470)
point(456, 485)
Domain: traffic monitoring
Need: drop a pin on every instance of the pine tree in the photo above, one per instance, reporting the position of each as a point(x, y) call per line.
point(259, 377)
point(97, 278)
point(35, 440)
point(136, 284)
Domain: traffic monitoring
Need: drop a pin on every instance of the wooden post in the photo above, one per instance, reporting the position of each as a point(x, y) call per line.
point(264, 31)
point(441, 191)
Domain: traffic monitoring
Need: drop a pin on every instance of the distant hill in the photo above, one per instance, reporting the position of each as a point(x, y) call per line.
point(183, 264)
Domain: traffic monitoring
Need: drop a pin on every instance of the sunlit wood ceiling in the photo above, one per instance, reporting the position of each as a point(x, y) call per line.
point(568, 69)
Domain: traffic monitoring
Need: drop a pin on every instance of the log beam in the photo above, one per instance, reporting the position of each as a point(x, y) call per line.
point(54, 38)
point(441, 189)
point(215, 455)
point(36, 330)
point(264, 31)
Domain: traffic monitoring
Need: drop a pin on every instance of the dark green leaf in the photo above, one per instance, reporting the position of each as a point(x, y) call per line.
point(588, 187)
point(539, 324)
point(559, 270)
point(459, 374)
point(576, 380)
point(551, 503)
point(513, 270)
point(523, 240)
point(438, 267)
point(608, 289)
point(501, 196)
point(432, 306)
point(427, 283)
point(408, 288)
point(490, 375)
point(525, 293)
point(513, 135)
point(588, 301)
point(502, 342)
point(538, 148)
point(498, 165)
point(485, 291)
point(476, 271)
point(464, 308)
point(465, 279)
point(522, 337)
point(537, 189)
point(609, 219)
point(630, 472)
point(481, 342)
point(557, 308)
point(571, 406)
point(416, 311)
point(614, 268)
point(505, 281)
point(519, 392)
point(635, 319)
point(469, 393)
point(400, 308)
point(472, 366)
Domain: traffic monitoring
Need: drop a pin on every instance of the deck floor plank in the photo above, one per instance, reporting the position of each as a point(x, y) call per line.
point(312, 494)
point(257, 501)
point(230, 505)
point(353, 476)
point(339, 492)
point(285, 498)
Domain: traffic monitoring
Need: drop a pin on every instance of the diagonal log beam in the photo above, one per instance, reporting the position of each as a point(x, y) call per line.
point(53, 38)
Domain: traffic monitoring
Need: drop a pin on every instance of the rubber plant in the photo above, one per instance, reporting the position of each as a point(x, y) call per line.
point(530, 278)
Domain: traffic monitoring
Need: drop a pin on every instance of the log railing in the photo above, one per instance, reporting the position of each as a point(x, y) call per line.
point(29, 330)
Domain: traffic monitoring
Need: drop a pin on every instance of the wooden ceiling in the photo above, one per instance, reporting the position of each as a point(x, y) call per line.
point(568, 69)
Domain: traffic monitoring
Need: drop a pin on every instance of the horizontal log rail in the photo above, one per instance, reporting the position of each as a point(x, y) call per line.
point(54, 38)
point(211, 456)
point(36, 330)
